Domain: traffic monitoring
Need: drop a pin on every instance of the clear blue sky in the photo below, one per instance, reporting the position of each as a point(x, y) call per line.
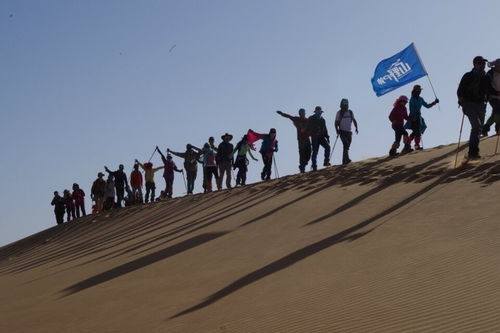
point(85, 84)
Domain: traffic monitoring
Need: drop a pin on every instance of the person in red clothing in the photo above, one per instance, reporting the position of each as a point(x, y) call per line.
point(136, 182)
point(397, 117)
point(79, 200)
point(168, 173)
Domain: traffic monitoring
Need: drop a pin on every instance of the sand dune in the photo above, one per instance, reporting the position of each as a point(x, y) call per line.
point(384, 245)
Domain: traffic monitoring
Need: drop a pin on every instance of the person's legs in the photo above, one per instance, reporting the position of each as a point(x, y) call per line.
point(472, 111)
point(59, 216)
point(243, 169)
point(315, 148)
point(346, 138)
point(120, 194)
point(191, 177)
point(77, 209)
point(326, 146)
point(218, 180)
point(304, 153)
point(269, 165)
point(228, 173)
point(82, 207)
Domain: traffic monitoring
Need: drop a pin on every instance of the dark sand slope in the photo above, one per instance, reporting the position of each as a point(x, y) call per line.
point(384, 245)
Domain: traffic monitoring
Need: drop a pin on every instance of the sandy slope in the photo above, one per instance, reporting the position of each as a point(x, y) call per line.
point(384, 245)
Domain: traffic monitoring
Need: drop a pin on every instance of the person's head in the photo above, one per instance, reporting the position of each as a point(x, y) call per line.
point(402, 100)
point(495, 64)
point(66, 193)
point(244, 138)
point(100, 175)
point(148, 165)
point(479, 63)
point(211, 140)
point(169, 157)
point(302, 113)
point(75, 186)
point(226, 137)
point(188, 146)
point(344, 104)
point(272, 133)
point(417, 89)
point(206, 146)
point(56, 194)
point(318, 110)
point(121, 167)
point(136, 166)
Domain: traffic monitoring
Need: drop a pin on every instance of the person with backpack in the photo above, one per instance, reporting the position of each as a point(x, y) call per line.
point(493, 77)
point(316, 127)
point(415, 120)
point(343, 126)
point(70, 205)
point(149, 175)
point(109, 193)
point(191, 158)
point(59, 207)
point(472, 96)
point(79, 199)
point(136, 182)
point(168, 173)
point(98, 190)
point(397, 117)
point(224, 160)
point(268, 147)
point(211, 143)
point(304, 142)
point(241, 163)
point(120, 181)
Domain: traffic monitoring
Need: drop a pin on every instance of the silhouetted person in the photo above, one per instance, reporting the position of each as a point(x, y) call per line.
point(79, 200)
point(225, 160)
point(415, 120)
point(168, 173)
point(120, 180)
point(471, 93)
point(98, 191)
point(267, 149)
point(191, 157)
point(59, 207)
point(149, 174)
point(316, 127)
point(136, 182)
point(343, 125)
point(70, 205)
point(241, 150)
point(304, 142)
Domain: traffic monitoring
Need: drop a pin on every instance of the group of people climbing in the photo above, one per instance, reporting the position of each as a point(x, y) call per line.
point(475, 89)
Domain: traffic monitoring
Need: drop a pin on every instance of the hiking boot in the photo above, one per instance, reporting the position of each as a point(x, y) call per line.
point(326, 164)
point(485, 130)
point(406, 149)
point(393, 152)
point(262, 176)
point(346, 162)
point(474, 157)
point(268, 178)
point(314, 167)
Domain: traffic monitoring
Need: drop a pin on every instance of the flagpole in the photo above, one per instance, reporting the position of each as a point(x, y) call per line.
point(426, 73)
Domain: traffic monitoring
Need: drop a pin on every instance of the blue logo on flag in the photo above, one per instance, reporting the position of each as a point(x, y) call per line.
point(398, 70)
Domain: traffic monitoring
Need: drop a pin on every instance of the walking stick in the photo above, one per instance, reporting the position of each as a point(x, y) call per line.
point(184, 178)
point(459, 137)
point(334, 144)
point(153, 154)
point(276, 167)
point(496, 147)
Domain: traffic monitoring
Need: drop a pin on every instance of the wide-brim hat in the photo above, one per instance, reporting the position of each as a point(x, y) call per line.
point(479, 60)
point(227, 135)
point(100, 174)
point(317, 109)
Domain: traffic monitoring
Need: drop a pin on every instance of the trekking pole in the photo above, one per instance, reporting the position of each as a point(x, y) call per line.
point(153, 154)
point(334, 144)
point(184, 178)
point(276, 167)
point(496, 147)
point(459, 137)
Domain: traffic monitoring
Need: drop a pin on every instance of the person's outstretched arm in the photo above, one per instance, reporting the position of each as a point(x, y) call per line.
point(140, 164)
point(159, 152)
point(283, 114)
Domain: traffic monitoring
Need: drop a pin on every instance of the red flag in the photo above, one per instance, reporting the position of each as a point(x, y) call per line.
point(252, 137)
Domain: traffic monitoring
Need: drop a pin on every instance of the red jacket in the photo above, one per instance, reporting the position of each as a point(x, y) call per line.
point(398, 115)
point(78, 196)
point(136, 179)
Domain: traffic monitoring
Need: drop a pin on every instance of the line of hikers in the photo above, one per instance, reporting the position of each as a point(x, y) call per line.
point(475, 90)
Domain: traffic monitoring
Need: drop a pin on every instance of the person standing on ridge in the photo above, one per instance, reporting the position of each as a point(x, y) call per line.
point(191, 157)
point(59, 207)
point(70, 205)
point(136, 182)
point(224, 160)
point(209, 166)
point(79, 199)
point(242, 149)
point(120, 179)
point(316, 127)
point(397, 117)
point(493, 77)
point(149, 175)
point(472, 95)
point(168, 172)
point(343, 126)
point(304, 142)
point(211, 142)
point(98, 190)
point(267, 149)
point(416, 122)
